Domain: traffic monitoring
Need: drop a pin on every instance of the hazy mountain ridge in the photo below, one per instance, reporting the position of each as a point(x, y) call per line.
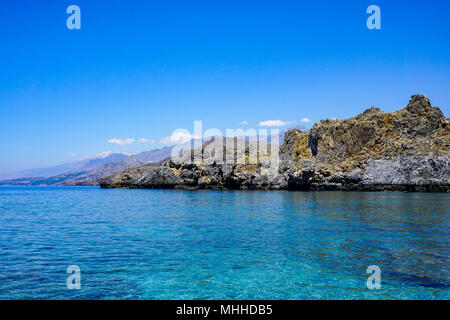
point(95, 161)
point(88, 171)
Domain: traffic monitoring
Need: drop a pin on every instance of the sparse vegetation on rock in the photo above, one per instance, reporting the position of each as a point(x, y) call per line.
point(406, 150)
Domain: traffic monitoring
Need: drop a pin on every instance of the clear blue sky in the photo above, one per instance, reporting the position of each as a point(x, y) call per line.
point(140, 69)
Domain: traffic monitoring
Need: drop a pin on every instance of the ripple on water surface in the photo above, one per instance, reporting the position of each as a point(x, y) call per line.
point(173, 244)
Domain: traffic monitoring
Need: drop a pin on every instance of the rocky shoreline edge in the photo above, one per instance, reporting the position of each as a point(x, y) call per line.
point(405, 150)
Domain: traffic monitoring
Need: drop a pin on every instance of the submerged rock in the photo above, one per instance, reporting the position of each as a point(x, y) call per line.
point(406, 150)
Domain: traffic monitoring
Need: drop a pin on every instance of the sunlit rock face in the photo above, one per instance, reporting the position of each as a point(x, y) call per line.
point(406, 150)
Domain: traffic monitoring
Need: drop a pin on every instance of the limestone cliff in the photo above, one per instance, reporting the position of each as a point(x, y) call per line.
point(406, 150)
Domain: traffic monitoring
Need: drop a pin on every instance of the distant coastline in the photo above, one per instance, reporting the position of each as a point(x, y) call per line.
point(406, 150)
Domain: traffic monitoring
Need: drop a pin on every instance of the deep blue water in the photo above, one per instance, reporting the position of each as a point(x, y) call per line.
point(169, 244)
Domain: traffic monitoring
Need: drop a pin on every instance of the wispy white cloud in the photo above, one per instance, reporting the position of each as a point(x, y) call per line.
point(105, 154)
point(180, 136)
point(275, 123)
point(305, 120)
point(121, 141)
point(243, 123)
point(71, 154)
point(144, 140)
point(130, 141)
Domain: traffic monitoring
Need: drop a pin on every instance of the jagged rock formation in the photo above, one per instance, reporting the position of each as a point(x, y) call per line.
point(406, 150)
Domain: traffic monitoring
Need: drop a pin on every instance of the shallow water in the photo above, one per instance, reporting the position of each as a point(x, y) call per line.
point(173, 244)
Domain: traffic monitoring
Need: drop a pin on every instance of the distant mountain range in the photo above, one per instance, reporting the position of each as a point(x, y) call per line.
point(95, 161)
point(88, 171)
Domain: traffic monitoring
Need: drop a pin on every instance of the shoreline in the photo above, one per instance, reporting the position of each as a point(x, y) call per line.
point(404, 150)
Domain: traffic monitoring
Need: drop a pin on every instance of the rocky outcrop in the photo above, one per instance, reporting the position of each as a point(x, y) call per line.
point(417, 129)
point(406, 150)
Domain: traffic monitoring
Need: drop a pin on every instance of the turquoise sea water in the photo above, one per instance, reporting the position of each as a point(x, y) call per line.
point(170, 244)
